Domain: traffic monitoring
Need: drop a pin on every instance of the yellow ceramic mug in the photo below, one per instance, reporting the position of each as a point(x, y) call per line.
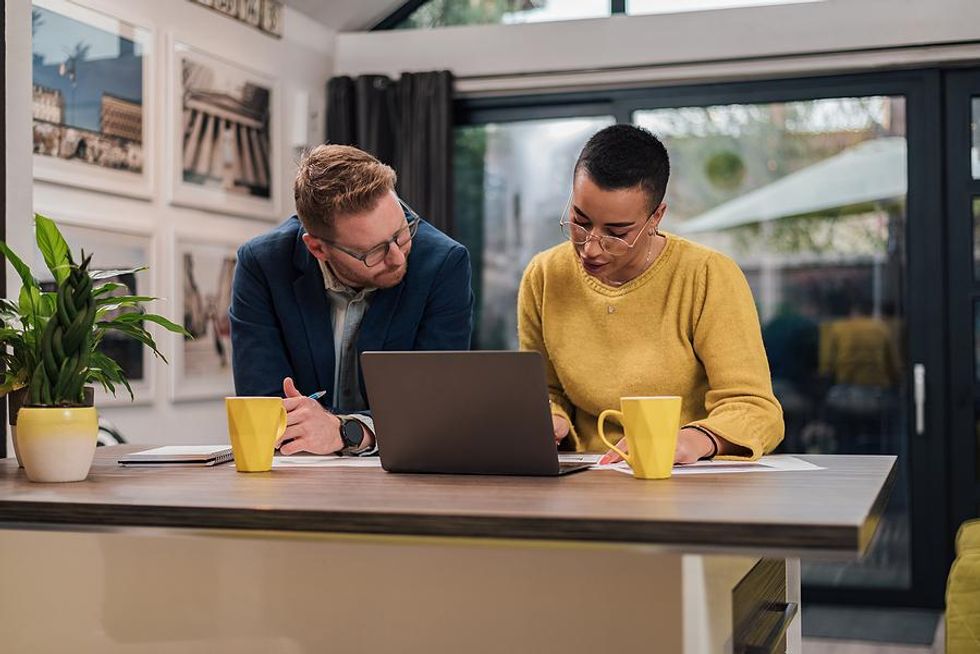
point(651, 425)
point(254, 426)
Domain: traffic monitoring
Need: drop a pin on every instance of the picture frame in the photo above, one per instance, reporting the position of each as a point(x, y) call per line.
point(112, 248)
point(224, 137)
point(263, 15)
point(203, 272)
point(93, 100)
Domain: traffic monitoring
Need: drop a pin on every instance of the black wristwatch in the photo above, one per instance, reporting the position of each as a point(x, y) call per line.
point(351, 432)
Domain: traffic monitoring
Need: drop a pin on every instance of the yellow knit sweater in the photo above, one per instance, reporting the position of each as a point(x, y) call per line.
point(686, 326)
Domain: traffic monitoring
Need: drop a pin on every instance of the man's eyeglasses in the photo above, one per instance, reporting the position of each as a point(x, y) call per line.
point(377, 254)
point(580, 236)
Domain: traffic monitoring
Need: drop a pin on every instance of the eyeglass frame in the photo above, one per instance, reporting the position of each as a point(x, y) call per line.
point(412, 219)
point(562, 223)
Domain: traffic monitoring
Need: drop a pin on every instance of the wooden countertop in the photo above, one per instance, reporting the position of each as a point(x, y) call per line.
point(836, 510)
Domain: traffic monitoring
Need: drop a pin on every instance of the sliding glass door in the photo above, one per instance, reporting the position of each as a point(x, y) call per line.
point(511, 186)
point(810, 198)
point(962, 95)
point(827, 193)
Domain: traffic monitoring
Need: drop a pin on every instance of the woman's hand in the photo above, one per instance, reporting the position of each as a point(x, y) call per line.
point(692, 445)
point(612, 456)
point(560, 426)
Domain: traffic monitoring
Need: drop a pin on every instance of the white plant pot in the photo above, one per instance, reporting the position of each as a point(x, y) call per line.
point(57, 444)
point(15, 400)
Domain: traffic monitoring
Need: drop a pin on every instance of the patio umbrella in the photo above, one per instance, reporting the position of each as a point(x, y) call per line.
point(870, 172)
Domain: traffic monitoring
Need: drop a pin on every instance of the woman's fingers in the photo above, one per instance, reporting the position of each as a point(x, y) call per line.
point(612, 456)
point(560, 427)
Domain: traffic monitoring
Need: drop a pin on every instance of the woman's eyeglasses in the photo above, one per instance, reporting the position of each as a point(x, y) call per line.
point(580, 236)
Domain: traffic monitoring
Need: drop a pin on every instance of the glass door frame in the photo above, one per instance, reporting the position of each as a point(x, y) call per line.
point(964, 291)
point(925, 291)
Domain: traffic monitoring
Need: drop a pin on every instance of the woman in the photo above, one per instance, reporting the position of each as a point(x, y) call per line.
point(623, 309)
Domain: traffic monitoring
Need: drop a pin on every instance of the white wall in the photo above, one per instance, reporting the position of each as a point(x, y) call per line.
point(301, 62)
point(539, 55)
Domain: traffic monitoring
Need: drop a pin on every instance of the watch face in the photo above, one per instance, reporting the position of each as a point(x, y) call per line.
point(352, 433)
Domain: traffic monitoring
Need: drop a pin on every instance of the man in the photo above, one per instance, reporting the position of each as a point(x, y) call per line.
point(356, 270)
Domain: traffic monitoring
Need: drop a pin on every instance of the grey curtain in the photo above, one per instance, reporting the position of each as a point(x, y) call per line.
point(408, 124)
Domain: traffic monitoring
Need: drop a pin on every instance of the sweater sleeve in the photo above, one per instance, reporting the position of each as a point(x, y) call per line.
point(740, 403)
point(531, 338)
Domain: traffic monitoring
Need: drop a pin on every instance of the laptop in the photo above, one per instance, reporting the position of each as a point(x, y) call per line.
point(463, 412)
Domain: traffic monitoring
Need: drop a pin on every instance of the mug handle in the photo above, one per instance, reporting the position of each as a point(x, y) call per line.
point(281, 428)
point(602, 434)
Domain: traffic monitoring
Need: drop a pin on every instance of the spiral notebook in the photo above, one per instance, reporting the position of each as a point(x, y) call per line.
point(188, 455)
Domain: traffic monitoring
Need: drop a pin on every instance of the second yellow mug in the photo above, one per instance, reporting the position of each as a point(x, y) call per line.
point(254, 426)
point(651, 425)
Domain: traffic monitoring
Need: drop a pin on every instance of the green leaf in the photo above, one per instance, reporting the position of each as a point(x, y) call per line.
point(106, 274)
point(166, 324)
point(53, 247)
point(134, 317)
point(134, 331)
point(113, 302)
point(26, 278)
point(48, 304)
point(108, 287)
point(29, 304)
point(9, 308)
point(11, 385)
point(105, 370)
point(125, 382)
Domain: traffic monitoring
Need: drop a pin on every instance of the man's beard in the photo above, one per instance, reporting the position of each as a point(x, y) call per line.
point(392, 277)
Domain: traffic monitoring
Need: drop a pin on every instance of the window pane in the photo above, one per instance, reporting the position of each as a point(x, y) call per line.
point(809, 198)
point(976, 341)
point(445, 13)
point(975, 149)
point(976, 435)
point(512, 182)
point(976, 238)
point(637, 7)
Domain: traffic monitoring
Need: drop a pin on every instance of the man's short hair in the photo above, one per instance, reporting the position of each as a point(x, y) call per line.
point(334, 180)
point(626, 156)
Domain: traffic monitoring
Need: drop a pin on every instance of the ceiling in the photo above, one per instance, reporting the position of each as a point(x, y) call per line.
point(346, 15)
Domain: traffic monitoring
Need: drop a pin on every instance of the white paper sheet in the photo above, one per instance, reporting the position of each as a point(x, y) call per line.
point(328, 461)
point(771, 463)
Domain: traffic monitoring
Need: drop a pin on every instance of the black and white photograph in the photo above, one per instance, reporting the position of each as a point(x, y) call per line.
point(90, 87)
point(202, 362)
point(223, 146)
point(113, 250)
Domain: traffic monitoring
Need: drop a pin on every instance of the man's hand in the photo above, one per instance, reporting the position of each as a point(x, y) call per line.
point(309, 427)
point(560, 426)
point(692, 444)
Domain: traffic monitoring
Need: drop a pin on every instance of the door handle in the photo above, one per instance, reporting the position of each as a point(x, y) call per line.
point(787, 611)
point(919, 397)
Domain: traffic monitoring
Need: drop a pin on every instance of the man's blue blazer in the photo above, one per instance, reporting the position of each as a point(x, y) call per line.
point(280, 315)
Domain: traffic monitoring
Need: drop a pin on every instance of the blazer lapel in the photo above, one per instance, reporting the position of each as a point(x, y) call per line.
point(374, 326)
point(314, 307)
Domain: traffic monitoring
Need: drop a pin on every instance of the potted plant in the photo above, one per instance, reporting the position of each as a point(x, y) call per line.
point(49, 347)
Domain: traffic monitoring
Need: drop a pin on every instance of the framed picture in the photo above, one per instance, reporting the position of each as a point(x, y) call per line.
point(115, 250)
point(263, 15)
point(202, 293)
point(223, 136)
point(92, 100)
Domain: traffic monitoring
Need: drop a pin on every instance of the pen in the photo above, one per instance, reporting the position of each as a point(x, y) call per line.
point(317, 395)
